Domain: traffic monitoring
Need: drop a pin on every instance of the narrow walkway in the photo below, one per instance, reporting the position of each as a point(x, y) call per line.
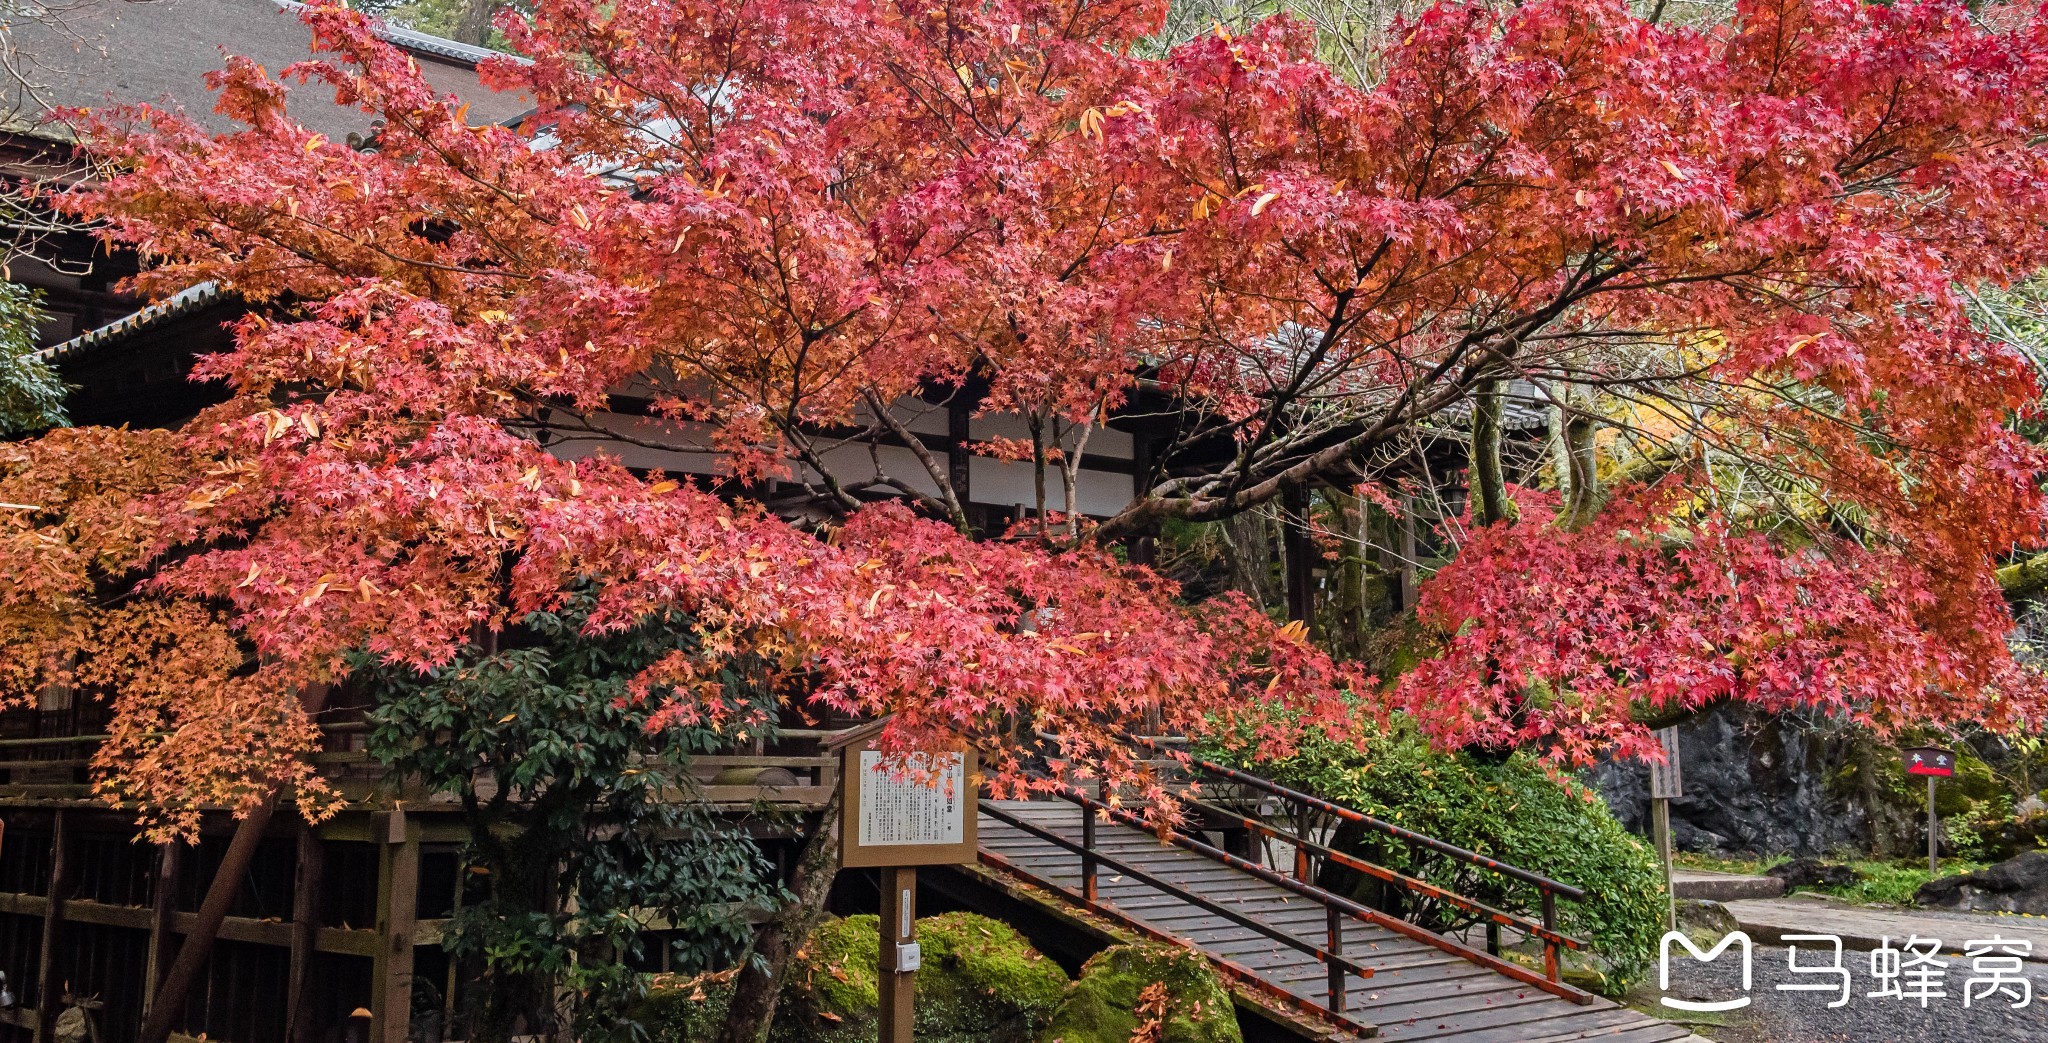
point(1863, 928)
point(1417, 992)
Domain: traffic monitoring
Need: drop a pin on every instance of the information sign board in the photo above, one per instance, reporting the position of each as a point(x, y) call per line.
point(923, 817)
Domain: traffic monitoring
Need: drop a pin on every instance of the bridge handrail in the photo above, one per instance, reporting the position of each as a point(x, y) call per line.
point(1330, 955)
point(1547, 886)
point(1548, 980)
point(1397, 878)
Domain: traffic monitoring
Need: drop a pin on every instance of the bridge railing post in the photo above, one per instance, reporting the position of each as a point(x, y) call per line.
point(1550, 969)
point(1335, 946)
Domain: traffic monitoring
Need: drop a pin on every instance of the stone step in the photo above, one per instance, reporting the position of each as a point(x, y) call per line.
point(1723, 887)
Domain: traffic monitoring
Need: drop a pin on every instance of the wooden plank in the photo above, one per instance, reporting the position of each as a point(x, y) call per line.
point(1478, 1025)
point(1431, 1008)
point(765, 761)
point(1444, 978)
point(1615, 1024)
point(1236, 898)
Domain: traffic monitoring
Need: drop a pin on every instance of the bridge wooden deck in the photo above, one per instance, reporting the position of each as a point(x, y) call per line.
point(1417, 992)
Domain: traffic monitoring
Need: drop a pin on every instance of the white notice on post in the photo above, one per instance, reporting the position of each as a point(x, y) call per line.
point(915, 808)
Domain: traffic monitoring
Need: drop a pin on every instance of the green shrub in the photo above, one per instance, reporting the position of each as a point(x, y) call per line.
point(981, 983)
point(1114, 997)
point(1512, 809)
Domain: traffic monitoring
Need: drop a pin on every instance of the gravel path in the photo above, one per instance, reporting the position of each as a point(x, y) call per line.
point(1804, 1017)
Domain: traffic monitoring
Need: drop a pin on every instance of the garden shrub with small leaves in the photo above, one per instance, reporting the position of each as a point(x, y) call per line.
point(1515, 809)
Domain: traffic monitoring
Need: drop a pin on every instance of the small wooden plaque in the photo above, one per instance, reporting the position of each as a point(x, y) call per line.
point(890, 821)
point(1929, 760)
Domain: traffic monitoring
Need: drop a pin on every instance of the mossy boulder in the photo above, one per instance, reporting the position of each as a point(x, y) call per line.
point(831, 988)
point(683, 1009)
point(981, 983)
point(1127, 987)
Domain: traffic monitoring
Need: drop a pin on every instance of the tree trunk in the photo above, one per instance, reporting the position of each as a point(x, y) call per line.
point(1298, 554)
point(213, 910)
point(1248, 548)
point(475, 24)
point(1582, 497)
point(1490, 503)
point(752, 1010)
point(176, 987)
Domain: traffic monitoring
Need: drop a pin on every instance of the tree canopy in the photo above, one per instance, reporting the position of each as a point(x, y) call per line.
point(772, 219)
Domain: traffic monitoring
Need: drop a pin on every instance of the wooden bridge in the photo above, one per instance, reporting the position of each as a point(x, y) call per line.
point(1357, 969)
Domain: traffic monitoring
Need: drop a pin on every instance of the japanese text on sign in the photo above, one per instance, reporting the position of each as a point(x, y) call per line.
point(925, 806)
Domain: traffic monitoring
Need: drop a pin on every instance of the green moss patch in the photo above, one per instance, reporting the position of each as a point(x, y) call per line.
point(680, 1009)
point(831, 988)
point(981, 983)
point(1169, 992)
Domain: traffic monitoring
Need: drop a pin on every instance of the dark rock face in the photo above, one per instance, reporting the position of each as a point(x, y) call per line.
point(1753, 783)
point(1812, 872)
point(2017, 885)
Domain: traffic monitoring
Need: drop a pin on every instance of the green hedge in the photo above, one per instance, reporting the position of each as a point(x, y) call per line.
point(1514, 809)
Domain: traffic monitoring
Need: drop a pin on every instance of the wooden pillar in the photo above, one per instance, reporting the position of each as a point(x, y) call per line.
point(959, 431)
point(1298, 554)
point(398, 874)
point(163, 903)
point(305, 935)
point(49, 993)
point(899, 930)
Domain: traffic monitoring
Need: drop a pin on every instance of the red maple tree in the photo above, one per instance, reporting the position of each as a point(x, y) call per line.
point(776, 218)
point(771, 219)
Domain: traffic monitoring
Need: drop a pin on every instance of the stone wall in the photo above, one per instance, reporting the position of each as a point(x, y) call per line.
point(1754, 783)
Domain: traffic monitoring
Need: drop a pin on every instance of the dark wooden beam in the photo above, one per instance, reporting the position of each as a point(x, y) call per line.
point(1298, 554)
point(163, 904)
point(305, 935)
point(397, 908)
point(49, 994)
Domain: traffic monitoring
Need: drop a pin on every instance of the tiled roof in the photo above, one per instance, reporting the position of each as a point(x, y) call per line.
point(184, 302)
point(417, 42)
point(94, 54)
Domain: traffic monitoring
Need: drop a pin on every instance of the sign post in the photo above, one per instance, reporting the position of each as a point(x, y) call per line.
point(896, 823)
point(1667, 783)
point(1935, 763)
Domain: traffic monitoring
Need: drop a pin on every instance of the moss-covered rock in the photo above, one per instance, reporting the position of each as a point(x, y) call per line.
point(1126, 987)
point(981, 983)
point(831, 987)
point(680, 1009)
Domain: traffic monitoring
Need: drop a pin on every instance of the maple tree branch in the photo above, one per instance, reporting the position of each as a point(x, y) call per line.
point(948, 499)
